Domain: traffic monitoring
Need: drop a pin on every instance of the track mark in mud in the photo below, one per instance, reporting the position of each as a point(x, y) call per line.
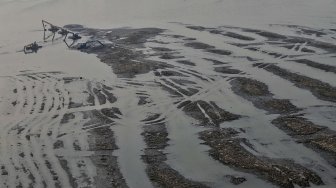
point(39, 155)
point(101, 97)
point(208, 113)
point(227, 148)
point(35, 93)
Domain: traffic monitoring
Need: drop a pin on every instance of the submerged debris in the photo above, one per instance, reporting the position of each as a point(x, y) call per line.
point(31, 48)
point(69, 38)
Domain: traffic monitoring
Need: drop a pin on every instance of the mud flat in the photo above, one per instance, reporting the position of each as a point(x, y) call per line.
point(209, 114)
point(319, 138)
point(225, 144)
point(128, 128)
point(258, 93)
point(304, 131)
point(228, 149)
point(122, 56)
point(321, 90)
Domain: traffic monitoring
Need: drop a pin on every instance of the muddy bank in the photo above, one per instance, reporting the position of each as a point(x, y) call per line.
point(316, 65)
point(121, 55)
point(227, 148)
point(227, 70)
point(161, 174)
point(258, 93)
point(321, 90)
point(319, 138)
point(207, 48)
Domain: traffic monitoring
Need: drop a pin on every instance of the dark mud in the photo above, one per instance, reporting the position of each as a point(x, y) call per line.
point(186, 62)
point(227, 70)
point(207, 48)
point(219, 52)
point(199, 45)
point(258, 93)
point(170, 73)
point(168, 56)
point(319, 138)
point(109, 96)
point(122, 56)
point(209, 114)
point(238, 36)
point(174, 89)
point(226, 147)
point(65, 166)
point(316, 65)
point(321, 90)
point(215, 62)
point(221, 32)
point(100, 95)
point(328, 47)
point(102, 142)
point(273, 38)
point(190, 88)
point(161, 174)
point(225, 144)
point(235, 180)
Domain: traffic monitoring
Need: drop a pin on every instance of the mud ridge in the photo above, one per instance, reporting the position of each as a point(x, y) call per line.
point(258, 93)
point(227, 148)
point(321, 90)
point(161, 174)
point(319, 138)
point(209, 114)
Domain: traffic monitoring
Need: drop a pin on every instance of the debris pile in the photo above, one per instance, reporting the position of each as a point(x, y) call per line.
point(69, 38)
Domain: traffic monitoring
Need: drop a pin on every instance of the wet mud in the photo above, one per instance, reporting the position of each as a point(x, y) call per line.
point(226, 148)
point(319, 138)
point(258, 93)
point(162, 175)
point(87, 132)
point(321, 90)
